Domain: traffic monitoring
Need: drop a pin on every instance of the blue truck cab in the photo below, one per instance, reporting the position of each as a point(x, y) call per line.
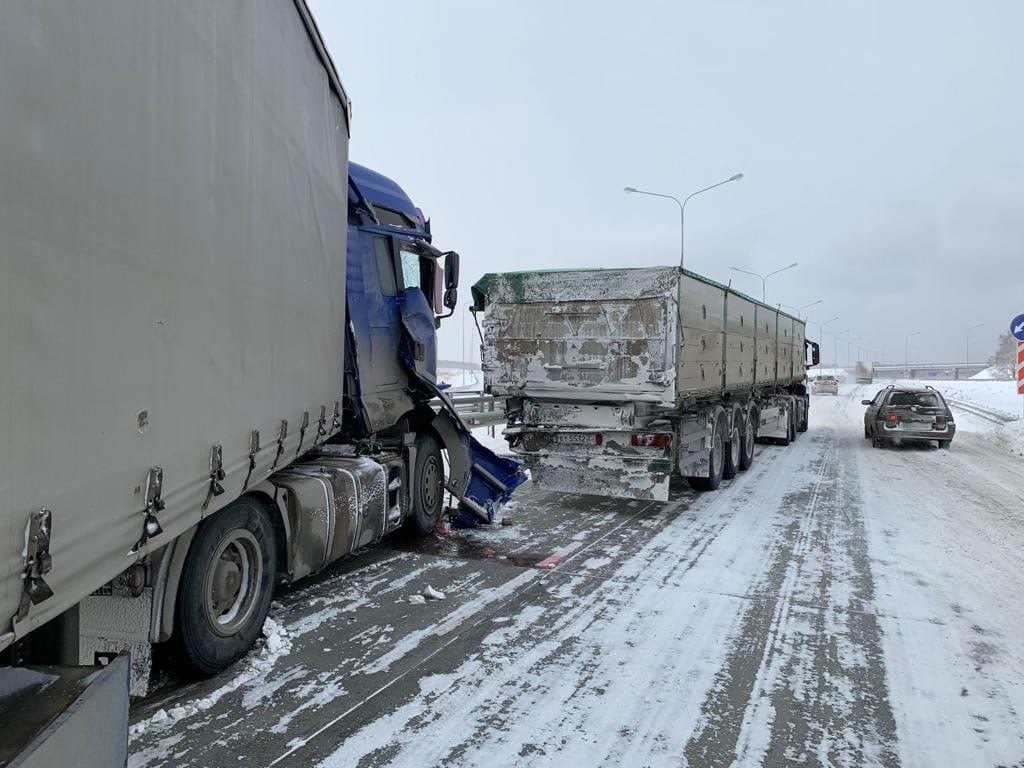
point(399, 289)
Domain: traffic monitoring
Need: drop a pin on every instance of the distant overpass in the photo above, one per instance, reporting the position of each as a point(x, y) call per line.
point(939, 371)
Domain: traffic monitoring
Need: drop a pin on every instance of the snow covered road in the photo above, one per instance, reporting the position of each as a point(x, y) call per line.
point(834, 605)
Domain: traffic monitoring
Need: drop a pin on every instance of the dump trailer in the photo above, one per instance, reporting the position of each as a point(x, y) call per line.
point(617, 379)
point(864, 372)
point(219, 337)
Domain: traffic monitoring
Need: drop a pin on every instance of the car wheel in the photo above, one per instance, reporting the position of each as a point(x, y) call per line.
point(945, 444)
point(428, 485)
point(716, 459)
point(226, 585)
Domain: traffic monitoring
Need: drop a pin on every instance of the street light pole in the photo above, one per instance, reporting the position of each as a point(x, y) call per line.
point(763, 278)
point(682, 207)
point(849, 346)
point(907, 350)
point(835, 347)
point(821, 328)
point(798, 310)
point(967, 358)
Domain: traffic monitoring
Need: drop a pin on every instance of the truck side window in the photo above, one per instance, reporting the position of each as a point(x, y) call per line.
point(385, 267)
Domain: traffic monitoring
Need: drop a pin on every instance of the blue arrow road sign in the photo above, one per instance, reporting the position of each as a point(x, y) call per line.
point(1017, 327)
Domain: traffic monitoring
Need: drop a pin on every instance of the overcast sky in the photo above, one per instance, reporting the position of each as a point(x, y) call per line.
point(882, 146)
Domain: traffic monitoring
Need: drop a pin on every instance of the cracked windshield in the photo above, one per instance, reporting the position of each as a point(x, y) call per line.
point(533, 384)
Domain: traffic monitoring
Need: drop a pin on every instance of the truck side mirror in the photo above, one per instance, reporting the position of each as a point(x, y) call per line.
point(451, 298)
point(451, 271)
point(815, 352)
point(451, 279)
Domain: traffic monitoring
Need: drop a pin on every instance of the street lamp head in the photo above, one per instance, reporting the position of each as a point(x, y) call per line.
point(629, 190)
point(736, 177)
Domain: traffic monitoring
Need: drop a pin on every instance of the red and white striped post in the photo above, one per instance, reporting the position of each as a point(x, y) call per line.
point(1020, 367)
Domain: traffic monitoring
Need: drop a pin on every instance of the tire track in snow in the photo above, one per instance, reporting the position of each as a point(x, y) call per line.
point(805, 684)
point(581, 675)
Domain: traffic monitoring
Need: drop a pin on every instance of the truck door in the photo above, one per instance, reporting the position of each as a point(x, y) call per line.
point(419, 331)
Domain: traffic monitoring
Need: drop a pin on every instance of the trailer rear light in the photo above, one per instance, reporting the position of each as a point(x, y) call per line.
point(660, 440)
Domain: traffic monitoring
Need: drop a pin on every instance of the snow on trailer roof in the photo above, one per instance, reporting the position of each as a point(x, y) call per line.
point(620, 283)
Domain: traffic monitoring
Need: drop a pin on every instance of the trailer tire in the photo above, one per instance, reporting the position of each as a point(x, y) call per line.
point(716, 466)
point(784, 441)
point(806, 420)
point(427, 496)
point(731, 465)
point(748, 437)
point(226, 585)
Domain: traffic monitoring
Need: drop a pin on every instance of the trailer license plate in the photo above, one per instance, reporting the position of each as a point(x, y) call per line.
point(575, 438)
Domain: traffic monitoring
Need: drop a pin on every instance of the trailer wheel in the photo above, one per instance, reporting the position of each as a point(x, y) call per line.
point(784, 441)
point(806, 420)
point(716, 459)
point(748, 436)
point(732, 449)
point(227, 585)
point(428, 485)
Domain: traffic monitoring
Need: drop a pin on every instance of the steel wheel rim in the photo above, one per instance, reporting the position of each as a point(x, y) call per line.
point(431, 484)
point(231, 586)
point(748, 429)
point(734, 447)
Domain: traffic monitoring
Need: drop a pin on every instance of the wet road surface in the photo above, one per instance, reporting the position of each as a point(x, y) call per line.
point(834, 605)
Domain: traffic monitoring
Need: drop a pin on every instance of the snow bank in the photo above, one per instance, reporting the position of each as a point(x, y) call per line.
point(253, 669)
point(995, 395)
point(991, 373)
point(1013, 434)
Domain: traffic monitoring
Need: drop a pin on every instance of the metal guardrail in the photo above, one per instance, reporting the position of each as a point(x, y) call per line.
point(476, 408)
point(996, 417)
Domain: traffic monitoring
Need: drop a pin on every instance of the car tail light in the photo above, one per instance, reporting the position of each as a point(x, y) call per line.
point(940, 422)
point(598, 439)
point(650, 441)
point(893, 418)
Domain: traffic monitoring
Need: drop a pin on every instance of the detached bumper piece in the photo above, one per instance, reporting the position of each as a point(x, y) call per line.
point(480, 479)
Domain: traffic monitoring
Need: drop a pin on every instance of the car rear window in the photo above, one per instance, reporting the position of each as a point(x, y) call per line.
point(925, 399)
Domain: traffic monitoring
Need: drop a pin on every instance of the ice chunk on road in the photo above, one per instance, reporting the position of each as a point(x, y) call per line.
point(432, 594)
point(417, 599)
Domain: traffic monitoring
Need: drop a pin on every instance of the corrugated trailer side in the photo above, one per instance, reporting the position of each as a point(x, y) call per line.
point(740, 342)
point(172, 270)
point(766, 323)
point(784, 349)
point(701, 310)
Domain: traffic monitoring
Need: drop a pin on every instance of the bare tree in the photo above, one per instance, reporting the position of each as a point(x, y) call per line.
point(1005, 358)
